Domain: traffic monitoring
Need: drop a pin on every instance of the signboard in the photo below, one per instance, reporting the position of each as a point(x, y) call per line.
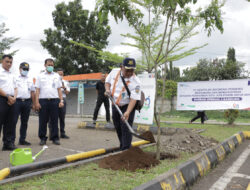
point(147, 112)
point(214, 95)
point(81, 93)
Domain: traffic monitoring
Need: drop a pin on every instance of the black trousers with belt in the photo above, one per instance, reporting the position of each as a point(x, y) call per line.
point(123, 133)
point(22, 108)
point(6, 120)
point(48, 112)
point(100, 100)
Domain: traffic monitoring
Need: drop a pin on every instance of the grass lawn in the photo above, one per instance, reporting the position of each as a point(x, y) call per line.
point(92, 177)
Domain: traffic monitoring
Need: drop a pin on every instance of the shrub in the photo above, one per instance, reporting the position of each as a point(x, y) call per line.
point(231, 115)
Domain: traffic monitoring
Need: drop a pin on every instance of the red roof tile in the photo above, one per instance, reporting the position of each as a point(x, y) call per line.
point(90, 76)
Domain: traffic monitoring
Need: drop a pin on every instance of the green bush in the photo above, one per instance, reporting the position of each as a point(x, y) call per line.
point(231, 115)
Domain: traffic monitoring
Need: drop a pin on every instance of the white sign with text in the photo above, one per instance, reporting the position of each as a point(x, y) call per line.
point(214, 95)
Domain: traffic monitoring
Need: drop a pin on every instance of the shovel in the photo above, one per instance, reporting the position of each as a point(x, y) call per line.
point(128, 125)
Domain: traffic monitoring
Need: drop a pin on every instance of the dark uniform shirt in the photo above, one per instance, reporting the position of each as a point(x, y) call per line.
point(100, 86)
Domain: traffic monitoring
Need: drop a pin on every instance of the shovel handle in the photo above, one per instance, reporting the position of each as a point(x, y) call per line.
point(121, 114)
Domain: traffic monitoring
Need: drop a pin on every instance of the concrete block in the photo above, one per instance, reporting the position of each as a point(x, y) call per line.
point(220, 151)
point(212, 156)
point(190, 172)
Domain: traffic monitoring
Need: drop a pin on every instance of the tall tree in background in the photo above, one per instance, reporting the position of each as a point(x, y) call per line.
point(175, 13)
point(6, 42)
point(72, 22)
point(216, 69)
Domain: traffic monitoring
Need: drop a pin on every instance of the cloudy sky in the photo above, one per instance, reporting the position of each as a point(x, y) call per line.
point(27, 20)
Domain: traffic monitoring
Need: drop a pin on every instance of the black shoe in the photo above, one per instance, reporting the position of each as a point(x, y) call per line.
point(42, 142)
point(56, 142)
point(64, 136)
point(94, 122)
point(24, 143)
point(9, 147)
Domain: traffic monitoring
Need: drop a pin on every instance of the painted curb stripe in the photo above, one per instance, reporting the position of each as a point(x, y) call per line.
point(203, 164)
point(248, 187)
point(242, 136)
point(238, 138)
point(212, 156)
point(221, 153)
point(190, 172)
point(226, 147)
point(74, 157)
point(246, 134)
point(236, 143)
point(4, 173)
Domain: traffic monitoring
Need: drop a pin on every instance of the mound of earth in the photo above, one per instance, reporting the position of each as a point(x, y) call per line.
point(186, 140)
point(131, 159)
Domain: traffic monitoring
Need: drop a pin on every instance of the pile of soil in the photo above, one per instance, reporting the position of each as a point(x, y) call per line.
point(186, 140)
point(131, 159)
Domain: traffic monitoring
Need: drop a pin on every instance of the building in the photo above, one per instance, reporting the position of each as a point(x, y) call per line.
point(90, 95)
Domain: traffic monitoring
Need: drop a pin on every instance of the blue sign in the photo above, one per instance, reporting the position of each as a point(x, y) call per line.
point(81, 93)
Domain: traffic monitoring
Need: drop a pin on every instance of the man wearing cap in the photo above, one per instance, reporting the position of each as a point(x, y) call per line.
point(115, 87)
point(25, 96)
point(48, 99)
point(8, 94)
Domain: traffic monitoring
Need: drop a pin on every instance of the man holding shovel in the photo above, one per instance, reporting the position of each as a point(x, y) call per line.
point(115, 87)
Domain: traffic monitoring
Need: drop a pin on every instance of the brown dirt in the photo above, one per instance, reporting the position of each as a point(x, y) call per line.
point(149, 136)
point(186, 140)
point(131, 159)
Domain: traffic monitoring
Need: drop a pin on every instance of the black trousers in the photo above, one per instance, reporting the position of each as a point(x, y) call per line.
point(48, 112)
point(99, 102)
point(200, 114)
point(22, 108)
point(61, 115)
point(7, 122)
point(123, 133)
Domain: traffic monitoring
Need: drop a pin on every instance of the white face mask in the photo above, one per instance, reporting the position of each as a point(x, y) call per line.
point(24, 73)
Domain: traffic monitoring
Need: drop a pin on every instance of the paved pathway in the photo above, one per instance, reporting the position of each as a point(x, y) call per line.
point(232, 174)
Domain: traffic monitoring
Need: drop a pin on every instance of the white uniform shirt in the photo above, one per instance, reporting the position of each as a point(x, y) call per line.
point(24, 86)
point(7, 81)
point(48, 85)
point(134, 87)
point(66, 85)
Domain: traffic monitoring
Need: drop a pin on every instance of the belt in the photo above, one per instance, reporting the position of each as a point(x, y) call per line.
point(23, 99)
point(3, 97)
point(49, 99)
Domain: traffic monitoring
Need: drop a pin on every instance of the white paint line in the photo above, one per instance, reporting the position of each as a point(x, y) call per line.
point(68, 149)
point(222, 182)
point(242, 176)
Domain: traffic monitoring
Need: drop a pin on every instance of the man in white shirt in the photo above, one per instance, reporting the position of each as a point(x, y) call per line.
point(48, 99)
point(8, 94)
point(25, 96)
point(114, 86)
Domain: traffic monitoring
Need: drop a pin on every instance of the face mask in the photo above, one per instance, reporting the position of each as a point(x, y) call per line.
point(24, 73)
point(50, 69)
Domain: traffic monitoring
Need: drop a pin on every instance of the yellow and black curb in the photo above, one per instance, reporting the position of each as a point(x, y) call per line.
point(18, 170)
point(187, 173)
point(137, 128)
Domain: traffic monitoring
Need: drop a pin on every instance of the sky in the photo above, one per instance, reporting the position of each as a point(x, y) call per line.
point(27, 20)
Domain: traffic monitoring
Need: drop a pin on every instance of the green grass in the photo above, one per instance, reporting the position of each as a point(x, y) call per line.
point(244, 116)
point(92, 177)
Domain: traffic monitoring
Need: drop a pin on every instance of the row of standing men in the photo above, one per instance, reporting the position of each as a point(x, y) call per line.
point(18, 94)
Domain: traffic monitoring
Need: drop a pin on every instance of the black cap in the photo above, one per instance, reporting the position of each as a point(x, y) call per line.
point(129, 63)
point(24, 65)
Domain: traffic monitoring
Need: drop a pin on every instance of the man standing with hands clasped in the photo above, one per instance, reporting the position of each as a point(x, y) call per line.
point(8, 94)
point(48, 99)
point(115, 87)
point(25, 96)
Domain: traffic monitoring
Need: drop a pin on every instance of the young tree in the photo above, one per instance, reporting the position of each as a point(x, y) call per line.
point(175, 13)
point(72, 22)
point(6, 42)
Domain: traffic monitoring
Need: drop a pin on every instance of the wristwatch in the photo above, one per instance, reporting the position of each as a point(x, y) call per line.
point(61, 101)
